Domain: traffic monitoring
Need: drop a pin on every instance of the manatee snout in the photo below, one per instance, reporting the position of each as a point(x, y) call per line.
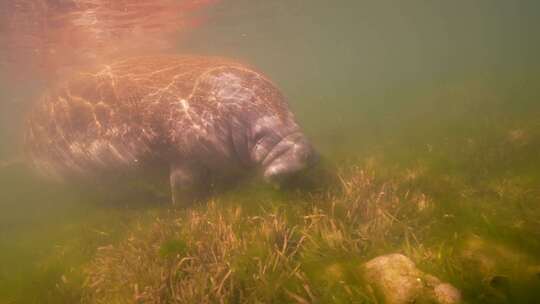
point(289, 159)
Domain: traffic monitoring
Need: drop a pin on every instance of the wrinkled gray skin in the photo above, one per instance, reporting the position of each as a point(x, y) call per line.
point(278, 150)
point(209, 119)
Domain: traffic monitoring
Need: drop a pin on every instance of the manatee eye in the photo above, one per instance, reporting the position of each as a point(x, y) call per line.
point(258, 135)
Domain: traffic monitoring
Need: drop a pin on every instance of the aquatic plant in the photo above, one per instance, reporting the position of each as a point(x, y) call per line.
point(309, 252)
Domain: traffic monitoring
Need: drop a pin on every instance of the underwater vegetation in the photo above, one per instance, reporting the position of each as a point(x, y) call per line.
point(450, 184)
point(312, 249)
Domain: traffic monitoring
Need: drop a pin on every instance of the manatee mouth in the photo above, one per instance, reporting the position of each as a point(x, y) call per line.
point(282, 147)
point(289, 158)
point(312, 173)
point(310, 176)
point(282, 170)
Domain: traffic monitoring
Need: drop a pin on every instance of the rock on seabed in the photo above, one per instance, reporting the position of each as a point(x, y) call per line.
point(396, 280)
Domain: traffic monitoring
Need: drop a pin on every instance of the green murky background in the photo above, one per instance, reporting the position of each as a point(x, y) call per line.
point(450, 89)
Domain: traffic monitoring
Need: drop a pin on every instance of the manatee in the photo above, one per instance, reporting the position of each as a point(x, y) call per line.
point(203, 118)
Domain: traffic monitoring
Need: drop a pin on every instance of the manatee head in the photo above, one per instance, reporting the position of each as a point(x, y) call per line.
point(281, 150)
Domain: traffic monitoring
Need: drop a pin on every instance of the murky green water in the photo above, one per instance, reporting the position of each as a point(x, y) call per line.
point(447, 91)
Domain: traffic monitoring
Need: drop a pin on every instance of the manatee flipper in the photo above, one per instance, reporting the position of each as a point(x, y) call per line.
point(187, 183)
